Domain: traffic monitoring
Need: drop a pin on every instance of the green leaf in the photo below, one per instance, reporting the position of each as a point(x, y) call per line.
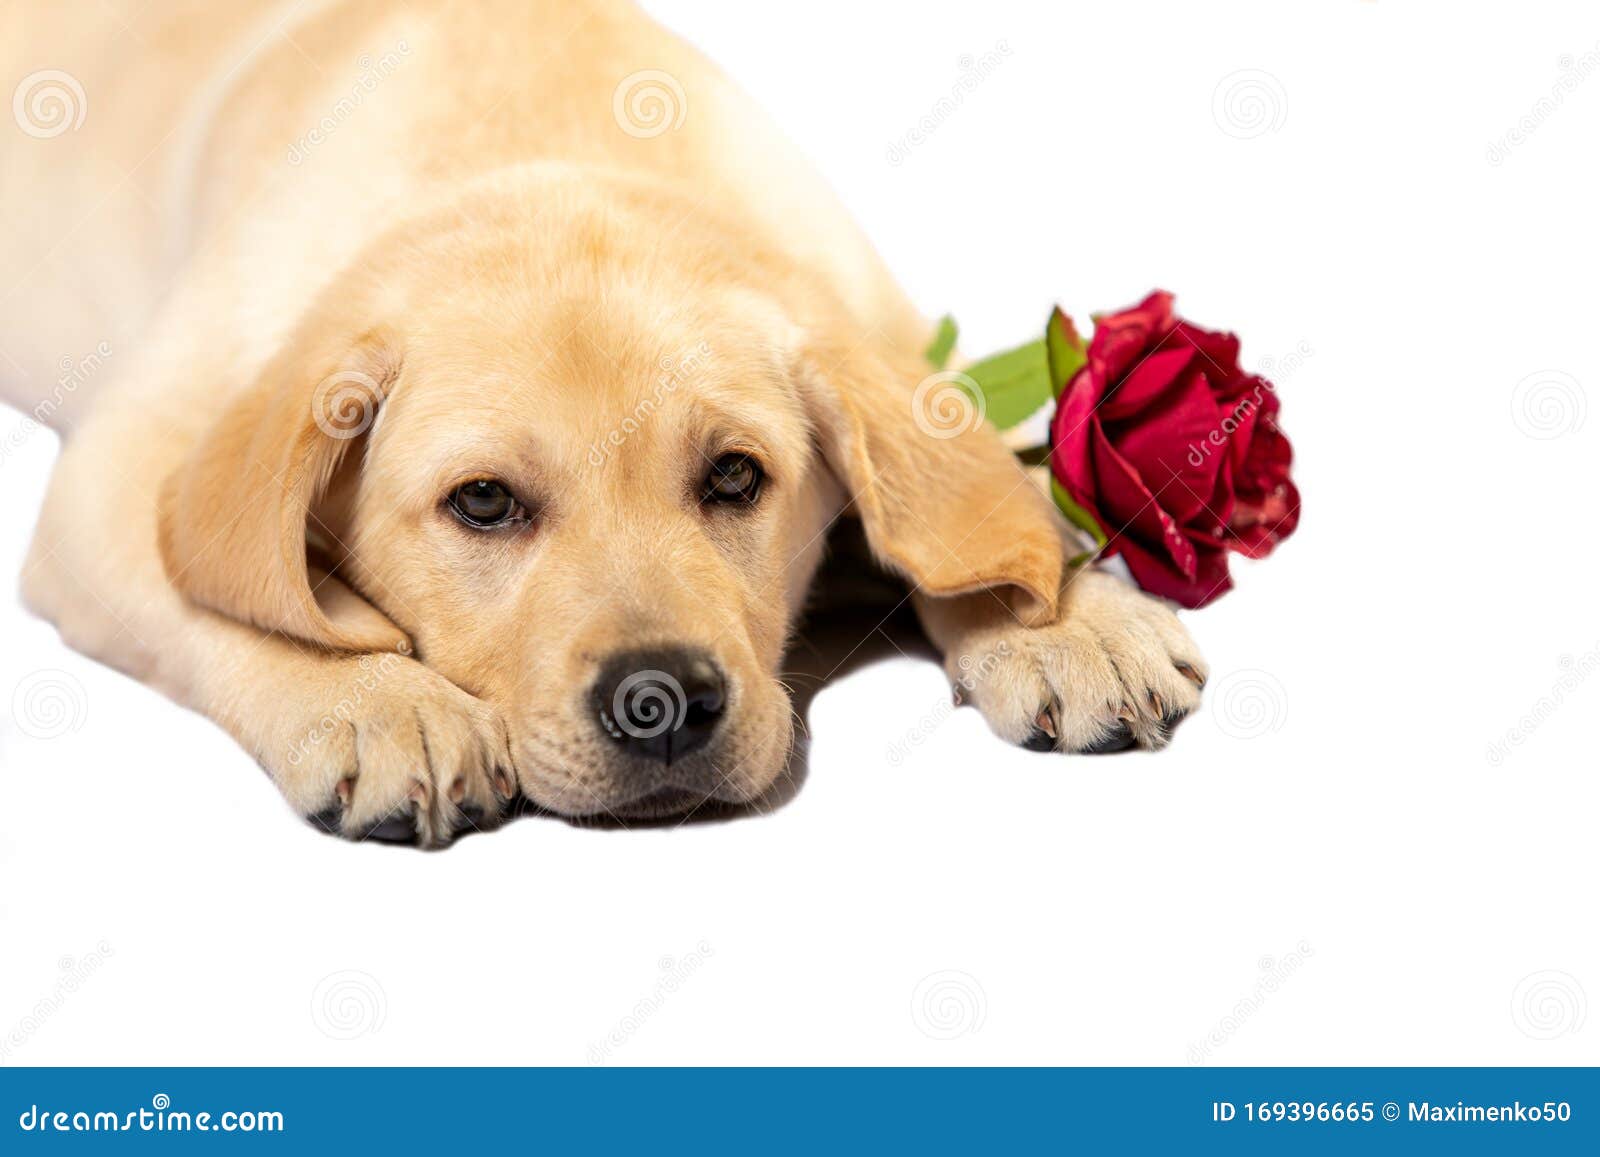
point(1076, 514)
point(1014, 384)
point(944, 340)
point(1068, 351)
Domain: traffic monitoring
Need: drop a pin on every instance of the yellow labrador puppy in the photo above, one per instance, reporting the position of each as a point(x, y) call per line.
point(461, 395)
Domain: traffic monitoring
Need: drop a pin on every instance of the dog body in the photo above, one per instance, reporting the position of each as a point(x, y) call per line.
point(478, 385)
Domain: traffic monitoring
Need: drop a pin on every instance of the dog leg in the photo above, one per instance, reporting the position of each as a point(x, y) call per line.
point(1114, 669)
point(373, 745)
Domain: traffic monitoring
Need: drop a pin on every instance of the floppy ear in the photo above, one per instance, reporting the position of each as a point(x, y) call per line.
point(234, 514)
point(942, 501)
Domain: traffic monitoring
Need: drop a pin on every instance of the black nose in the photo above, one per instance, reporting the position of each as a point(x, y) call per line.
point(660, 704)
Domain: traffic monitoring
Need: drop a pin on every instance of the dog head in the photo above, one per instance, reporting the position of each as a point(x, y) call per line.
point(576, 445)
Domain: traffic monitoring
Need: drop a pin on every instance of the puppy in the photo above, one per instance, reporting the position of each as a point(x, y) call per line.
point(479, 386)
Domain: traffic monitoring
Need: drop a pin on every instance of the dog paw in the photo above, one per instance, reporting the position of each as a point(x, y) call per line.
point(1116, 670)
point(388, 750)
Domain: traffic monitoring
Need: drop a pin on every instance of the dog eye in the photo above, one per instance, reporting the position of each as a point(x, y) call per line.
point(733, 478)
point(483, 503)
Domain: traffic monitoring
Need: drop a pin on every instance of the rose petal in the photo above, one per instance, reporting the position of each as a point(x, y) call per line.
point(1070, 431)
point(1210, 580)
point(1268, 509)
point(1217, 354)
point(1259, 526)
point(1170, 445)
point(1121, 339)
point(1217, 514)
point(1145, 383)
point(1266, 464)
point(1133, 511)
point(1239, 419)
point(1161, 415)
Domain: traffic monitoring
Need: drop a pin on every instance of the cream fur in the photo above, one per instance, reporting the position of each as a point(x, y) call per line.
point(480, 252)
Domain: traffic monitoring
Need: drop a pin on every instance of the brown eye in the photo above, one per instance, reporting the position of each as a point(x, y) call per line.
point(483, 503)
point(733, 478)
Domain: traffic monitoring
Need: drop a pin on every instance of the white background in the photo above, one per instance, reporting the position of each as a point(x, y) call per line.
point(1328, 866)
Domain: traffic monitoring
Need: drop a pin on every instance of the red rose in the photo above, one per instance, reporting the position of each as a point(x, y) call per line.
point(1174, 450)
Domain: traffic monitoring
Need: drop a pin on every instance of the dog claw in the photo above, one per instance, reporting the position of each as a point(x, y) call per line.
point(1170, 721)
point(400, 828)
point(1039, 740)
point(1119, 738)
point(1046, 723)
point(1192, 675)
